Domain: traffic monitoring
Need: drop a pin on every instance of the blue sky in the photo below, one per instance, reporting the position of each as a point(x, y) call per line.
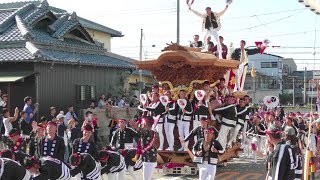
point(286, 23)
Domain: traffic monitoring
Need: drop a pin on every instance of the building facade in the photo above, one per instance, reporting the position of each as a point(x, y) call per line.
point(50, 55)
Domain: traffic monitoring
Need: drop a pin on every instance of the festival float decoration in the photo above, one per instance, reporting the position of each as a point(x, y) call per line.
point(186, 68)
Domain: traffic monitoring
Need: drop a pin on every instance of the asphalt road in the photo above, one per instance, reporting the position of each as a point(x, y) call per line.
point(237, 169)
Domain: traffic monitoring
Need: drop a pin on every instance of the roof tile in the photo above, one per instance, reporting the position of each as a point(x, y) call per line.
point(15, 54)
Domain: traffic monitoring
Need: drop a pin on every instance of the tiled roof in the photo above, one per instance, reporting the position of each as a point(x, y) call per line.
point(85, 22)
point(15, 54)
point(81, 58)
point(4, 14)
point(11, 34)
point(23, 40)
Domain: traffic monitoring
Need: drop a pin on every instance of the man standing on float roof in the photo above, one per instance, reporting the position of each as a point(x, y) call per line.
point(211, 23)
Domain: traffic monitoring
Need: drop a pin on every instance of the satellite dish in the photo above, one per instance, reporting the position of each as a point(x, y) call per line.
point(271, 101)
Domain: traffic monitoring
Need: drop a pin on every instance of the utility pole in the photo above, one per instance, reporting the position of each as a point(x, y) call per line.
point(140, 58)
point(304, 86)
point(178, 21)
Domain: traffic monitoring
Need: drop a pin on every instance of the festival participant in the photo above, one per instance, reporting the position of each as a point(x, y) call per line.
point(241, 54)
point(211, 23)
point(147, 146)
point(34, 149)
point(154, 109)
point(112, 164)
point(184, 119)
point(124, 136)
point(52, 145)
point(47, 168)
point(222, 89)
point(17, 156)
point(198, 132)
point(84, 144)
point(242, 118)
point(281, 160)
point(207, 149)
point(200, 111)
point(292, 140)
point(11, 169)
point(84, 165)
point(170, 120)
point(258, 132)
point(17, 143)
point(131, 163)
point(289, 123)
point(210, 44)
point(196, 43)
point(228, 121)
point(223, 47)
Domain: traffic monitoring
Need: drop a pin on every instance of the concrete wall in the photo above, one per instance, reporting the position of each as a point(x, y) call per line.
point(256, 60)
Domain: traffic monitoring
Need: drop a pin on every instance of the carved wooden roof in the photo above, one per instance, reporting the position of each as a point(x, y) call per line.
point(181, 65)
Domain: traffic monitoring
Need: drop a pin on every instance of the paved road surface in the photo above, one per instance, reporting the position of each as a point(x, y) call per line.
point(237, 169)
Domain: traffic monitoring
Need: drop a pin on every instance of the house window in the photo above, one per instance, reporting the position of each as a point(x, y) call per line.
point(92, 92)
point(269, 64)
point(86, 92)
point(82, 93)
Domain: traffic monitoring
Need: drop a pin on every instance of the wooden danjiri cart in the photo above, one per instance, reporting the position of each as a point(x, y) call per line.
point(182, 66)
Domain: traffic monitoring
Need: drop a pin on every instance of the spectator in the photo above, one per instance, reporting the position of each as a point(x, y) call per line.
point(122, 102)
point(95, 127)
point(3, 104)
point(53, 113)
point(27, 108)
point(7, 120)
point(92, 105)
point(25, 127)
point(62, 132)
point(102, 102)
point(70, 115)
point(196, 43)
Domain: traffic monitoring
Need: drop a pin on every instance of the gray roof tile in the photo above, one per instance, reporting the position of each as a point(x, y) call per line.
point(22, 42)
point(4, 14)
point(85, 22)
point(90, 59)
point(35, 15)
point(11, 34)
point(15, 54)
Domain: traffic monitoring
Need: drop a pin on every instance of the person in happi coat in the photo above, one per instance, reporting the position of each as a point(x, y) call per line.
point(85, 144)
point(206, 151)
point(85, 165)
point(51, 144)
point(47, 168)
point(112, 164)
point(12, 170)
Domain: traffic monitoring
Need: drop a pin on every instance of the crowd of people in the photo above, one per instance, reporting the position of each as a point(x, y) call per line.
point(214, 123)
